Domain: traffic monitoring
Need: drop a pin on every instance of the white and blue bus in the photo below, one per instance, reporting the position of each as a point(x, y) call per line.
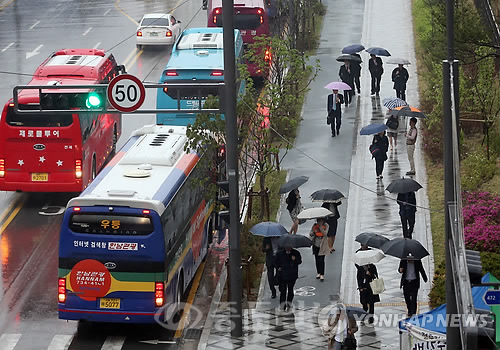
point(197, 56)
point(131, 243)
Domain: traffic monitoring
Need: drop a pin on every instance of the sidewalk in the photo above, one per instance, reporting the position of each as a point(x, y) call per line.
point(369, 208)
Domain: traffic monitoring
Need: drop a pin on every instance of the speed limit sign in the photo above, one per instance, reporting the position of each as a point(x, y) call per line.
point(126, 93)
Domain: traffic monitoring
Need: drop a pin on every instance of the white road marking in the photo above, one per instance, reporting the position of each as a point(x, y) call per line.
point(9, 341)
point(97, 45)
point(34, 25)
point(107, 11)
point(7, 47)
point(113, 343)
point(34, 52)
point(60, 342)
point(87, 31)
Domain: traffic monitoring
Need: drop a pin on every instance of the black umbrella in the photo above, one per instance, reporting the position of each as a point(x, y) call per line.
point(293, 184)
point(347, 57)
point(378, 51)
point(294, 241)
point(327, 195)
point(371, 239)
point(403, 185)
point(405, 248)
point(353, 49)
point(268, 229)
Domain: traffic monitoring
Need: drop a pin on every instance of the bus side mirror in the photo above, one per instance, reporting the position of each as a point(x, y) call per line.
point(121, 69)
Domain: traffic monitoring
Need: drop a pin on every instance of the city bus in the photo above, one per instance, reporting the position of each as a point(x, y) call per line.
point(58, 152)
point(197, 56)
point(131, 243)
point(251, 17)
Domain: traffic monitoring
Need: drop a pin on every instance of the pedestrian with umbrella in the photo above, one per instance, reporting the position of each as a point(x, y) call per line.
point(407, 209)
point(411, 270)
point(411, 140)
point(400, 76)
point(376, 68)
point(294, 205)
point(392, 129)
point(318, 236)
point(334, 110)
point(287, 265)
point(346, 74)
point(378, 149)
point(366, 273)
point(332, 221)
point(339, 329)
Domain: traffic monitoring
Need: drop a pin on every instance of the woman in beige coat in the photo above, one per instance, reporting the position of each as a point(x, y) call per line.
point(320, 246)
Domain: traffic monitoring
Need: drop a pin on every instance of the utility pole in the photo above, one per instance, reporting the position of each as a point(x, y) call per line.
point(450, 91)
point(232, 168)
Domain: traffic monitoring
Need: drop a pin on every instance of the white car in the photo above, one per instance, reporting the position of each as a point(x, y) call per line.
point(157, 29)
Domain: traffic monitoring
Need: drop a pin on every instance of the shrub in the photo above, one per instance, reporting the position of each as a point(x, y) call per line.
point(476, 169)
point(481, 212)
point(437, 295)
point(491, 263)
point(433, 143)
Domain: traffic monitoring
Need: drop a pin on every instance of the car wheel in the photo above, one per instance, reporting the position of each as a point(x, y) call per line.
point(139, 47)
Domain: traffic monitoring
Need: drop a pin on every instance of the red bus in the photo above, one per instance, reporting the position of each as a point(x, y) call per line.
point(58, 152)
point(251, 17)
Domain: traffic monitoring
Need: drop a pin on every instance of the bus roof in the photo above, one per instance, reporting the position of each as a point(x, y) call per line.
point(240, 3)
point(201, 48)
point(146, 173)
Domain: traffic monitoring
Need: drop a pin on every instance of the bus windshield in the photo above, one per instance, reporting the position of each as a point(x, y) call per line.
point(37, 120)
point(109, 224)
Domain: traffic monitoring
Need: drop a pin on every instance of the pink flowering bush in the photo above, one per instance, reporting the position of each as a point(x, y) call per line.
point(481, 212)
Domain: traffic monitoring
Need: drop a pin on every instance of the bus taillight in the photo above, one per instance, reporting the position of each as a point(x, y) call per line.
point(168, 33)
point(217, 73)
point(171, 73)
point(77, 209)
point(62, 290)
point(2, 167)
point(215, 19)
point(78, 168)
point(159, 294)
point(146, 211)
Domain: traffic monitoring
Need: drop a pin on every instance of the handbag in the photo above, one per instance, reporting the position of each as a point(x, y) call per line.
point(349, 343)
point(328, 120)
point(374, 149)
point(377, 286)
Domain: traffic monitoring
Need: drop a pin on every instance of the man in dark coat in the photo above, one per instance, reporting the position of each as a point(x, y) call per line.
point(356, 68)
point(364, 276)
point(287, 263)
point(335, 111)
point(270, 247)
point(407, 208)
point(400, 77)
point(346, 74)
point(376, 68)
point(411, 271)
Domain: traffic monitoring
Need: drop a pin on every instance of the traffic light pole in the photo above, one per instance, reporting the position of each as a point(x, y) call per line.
point(232, 168)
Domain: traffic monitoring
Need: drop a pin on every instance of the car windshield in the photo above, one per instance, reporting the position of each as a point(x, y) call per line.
point(155, 22)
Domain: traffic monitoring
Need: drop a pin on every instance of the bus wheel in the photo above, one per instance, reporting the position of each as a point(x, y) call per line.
point(94, 169)
point(178, 300)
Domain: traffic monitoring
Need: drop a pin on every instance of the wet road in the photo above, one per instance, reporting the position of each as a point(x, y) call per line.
point(29, 32)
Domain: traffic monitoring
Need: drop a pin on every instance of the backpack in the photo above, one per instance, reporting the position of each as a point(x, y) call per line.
point(392, 123)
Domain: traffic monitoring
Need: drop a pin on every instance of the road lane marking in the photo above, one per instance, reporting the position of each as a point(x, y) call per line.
point(113, 343)
point(129, 57)
point(8, 210)
point(34, 25)
point(87, 31)
point(132, 61)
point(11, 217)
point(6, 4)
point(189, 301)
point(117, 2)
point(97, 45)
point(60, 342)
point(9, 341)
point(107, 11)
point(7, 47)
point(34, 52)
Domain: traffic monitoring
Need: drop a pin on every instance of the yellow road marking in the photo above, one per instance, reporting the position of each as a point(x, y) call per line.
point(129, 57)
point(124, 13)
point(6, 211)
point(132, 61)
point(11, 216)
point(5, 5)
point(190, 299)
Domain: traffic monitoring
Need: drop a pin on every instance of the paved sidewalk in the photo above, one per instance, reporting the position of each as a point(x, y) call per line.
point(369, 209)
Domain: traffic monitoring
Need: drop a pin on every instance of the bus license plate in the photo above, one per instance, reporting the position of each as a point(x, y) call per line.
point(39, 177)
point(110, 303)
point(153, 34)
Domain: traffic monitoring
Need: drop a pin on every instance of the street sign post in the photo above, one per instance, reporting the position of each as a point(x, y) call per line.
point(492, 297)
point(126, 93)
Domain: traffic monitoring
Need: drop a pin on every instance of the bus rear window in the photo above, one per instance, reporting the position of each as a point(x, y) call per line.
point(242, 21)
point(105, 224)
point(191, 93)
point(37, 120)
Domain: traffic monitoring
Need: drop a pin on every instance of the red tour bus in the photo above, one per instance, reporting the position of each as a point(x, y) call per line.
point(251, 17)
point(58, 152)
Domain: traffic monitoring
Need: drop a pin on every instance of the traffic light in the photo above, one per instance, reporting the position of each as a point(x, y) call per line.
point(73, 100)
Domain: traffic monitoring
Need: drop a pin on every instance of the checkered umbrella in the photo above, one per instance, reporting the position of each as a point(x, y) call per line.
point(393, 102)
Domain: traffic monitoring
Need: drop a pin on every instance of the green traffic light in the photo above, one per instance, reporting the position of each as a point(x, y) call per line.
point(93, 101)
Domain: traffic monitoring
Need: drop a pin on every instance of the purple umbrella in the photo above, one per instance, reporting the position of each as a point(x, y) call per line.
point(337, 85)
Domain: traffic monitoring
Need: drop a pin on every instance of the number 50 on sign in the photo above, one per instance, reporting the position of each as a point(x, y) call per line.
point(126, 93)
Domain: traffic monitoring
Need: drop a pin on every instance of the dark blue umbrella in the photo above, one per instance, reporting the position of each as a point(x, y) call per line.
point(293, 184)
point(353, 48)
point(378, 51)
point(268, 229)
point(372, 129)
point(294, 241)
